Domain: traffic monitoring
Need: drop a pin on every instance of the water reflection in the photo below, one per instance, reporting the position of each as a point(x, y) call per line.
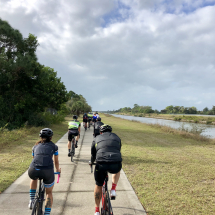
point(205, 130)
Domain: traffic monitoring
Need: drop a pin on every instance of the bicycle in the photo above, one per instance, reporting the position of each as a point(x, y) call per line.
point(72, 151)
point(106, 208)
point(37, 208)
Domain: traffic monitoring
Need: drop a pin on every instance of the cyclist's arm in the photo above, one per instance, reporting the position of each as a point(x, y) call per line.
point(56, 161)
point(93, 152)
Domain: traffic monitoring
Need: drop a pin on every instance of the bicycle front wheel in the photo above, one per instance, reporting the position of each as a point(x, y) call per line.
point(35, 207)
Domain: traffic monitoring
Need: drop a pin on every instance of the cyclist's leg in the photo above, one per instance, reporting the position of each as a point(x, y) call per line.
point(99, 175)
point(33, 185)
point(77, 138)
point(49, 200)
point(48, 179)
point(115, 170)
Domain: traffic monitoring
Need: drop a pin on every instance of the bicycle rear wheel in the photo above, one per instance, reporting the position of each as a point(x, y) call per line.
point(35, 207)
point(72, 149)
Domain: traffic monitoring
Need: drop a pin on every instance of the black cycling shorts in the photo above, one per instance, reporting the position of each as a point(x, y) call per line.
point(71, 133)
point(84, 120)
point(102, 168)
point(94, 119)
point(46, 174)
point(89, 119)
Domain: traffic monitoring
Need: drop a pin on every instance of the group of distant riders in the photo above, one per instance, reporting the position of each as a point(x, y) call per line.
point(105, 150)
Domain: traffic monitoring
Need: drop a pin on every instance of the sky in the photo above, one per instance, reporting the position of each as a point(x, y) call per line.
point(118, 53)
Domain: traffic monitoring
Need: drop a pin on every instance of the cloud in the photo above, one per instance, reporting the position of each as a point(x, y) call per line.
point(118, 53)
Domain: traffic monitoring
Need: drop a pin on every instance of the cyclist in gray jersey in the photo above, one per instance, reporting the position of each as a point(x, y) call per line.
point(97, 126)
point(105, 150)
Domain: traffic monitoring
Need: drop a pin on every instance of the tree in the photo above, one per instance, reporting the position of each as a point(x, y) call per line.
point(26, 87)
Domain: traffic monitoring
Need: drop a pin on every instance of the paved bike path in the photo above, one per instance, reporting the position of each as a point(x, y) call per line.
point(74, 194)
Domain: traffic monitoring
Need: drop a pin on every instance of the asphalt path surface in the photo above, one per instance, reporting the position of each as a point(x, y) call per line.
point(74, 193)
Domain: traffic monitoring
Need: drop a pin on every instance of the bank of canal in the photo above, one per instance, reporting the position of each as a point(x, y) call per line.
point(206, 130)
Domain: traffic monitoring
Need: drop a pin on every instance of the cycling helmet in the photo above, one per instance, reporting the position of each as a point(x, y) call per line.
point(105, 128)
point(99, 119)
point(75, 117)
point(46, 132)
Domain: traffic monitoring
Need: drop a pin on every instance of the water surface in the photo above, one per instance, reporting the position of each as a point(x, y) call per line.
point(207, 130)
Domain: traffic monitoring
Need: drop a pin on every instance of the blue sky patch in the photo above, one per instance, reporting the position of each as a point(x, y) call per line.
point(185, 7)
point(116, 15)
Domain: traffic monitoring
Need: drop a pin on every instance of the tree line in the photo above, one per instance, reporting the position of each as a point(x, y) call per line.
point(27, 88)
point(168, 110)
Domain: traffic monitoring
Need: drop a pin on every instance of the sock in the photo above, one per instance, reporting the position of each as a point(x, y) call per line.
point(113, 186)
point(96, 209)
point(76, 142)
point(32, 194)
point(69, 150)
point(47, 211)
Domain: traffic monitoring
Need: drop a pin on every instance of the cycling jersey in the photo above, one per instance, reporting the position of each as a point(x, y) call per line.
point(85, 118)
point(43, 153)
point(75, 124)
point(106, 148)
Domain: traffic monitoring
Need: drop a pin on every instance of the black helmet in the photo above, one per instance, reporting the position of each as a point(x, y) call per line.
point(46, 132)
point(75, 117)
point(105, 128)
point(99, 119)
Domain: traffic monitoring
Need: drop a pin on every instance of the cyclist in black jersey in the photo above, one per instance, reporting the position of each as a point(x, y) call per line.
point(85, 120)
point(105, 150)
point(42, 167)
point(97, 126)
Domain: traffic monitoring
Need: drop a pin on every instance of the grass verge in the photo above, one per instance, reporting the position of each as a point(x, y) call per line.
point(15, 150)
point(171, 173)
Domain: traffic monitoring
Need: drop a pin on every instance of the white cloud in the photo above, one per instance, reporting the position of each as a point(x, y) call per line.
point(148, 56)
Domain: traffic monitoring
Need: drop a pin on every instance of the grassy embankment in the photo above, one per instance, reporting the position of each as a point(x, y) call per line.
point(172, 172)
point(183, 118)
point(15, 150)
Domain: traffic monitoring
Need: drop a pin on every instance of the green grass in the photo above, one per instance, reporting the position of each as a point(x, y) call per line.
point(15, 150)
point(172, 172)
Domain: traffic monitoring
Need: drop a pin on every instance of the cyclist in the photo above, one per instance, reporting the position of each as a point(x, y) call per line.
point(85, 119)
point(90, 116)
point(74, 129)
point(97, 126)
point(97, 114)
point(42, 167)
point(105, 150)
point(94, 118)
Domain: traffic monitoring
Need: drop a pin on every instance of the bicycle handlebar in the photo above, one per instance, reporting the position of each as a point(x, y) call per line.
point(58, 177)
